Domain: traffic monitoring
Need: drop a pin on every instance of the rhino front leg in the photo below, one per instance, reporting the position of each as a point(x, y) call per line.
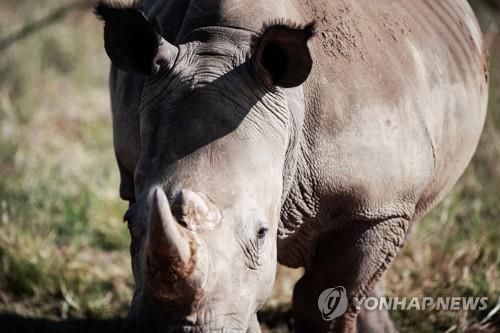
point(353, 256)
point(376, 320)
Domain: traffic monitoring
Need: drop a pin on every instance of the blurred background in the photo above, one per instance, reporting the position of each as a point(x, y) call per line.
point(64, 262)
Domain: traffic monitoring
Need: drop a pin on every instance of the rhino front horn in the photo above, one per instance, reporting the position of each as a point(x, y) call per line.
point(171, 254)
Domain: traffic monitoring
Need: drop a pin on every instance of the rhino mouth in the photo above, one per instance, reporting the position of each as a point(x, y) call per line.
point(146, 321)
point(187, 328)
point(205, 329)
point(219, 324)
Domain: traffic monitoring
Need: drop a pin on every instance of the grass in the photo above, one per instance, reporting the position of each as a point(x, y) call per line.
point(63, 249)
point(64, 263)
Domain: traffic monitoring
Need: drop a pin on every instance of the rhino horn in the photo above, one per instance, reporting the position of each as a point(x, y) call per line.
point(171, 252)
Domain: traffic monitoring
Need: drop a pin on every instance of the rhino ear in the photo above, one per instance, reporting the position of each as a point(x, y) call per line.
point(132, 41)
point(281, 55)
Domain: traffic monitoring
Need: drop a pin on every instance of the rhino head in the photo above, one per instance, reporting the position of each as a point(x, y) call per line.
point(219, 135)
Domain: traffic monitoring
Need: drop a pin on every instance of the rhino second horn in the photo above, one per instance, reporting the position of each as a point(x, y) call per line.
point(169, 245)
point(196, 211)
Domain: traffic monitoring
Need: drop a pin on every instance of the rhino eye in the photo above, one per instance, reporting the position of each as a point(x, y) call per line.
point(261, 234)
point(130, 218)
point(127, 218)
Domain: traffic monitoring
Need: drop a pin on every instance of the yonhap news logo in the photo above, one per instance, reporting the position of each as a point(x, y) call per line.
point(333, 303)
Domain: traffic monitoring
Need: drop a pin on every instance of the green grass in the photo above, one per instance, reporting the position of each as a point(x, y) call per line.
point(63, 247)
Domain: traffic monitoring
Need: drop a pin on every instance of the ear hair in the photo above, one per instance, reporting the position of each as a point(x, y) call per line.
point(102, 7)
point(117, 4)
point(308, 30)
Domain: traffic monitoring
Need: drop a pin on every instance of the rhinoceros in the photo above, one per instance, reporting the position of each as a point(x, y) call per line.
point(313, 133)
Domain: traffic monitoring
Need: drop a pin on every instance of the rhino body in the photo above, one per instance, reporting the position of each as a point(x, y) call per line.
point(344, 163)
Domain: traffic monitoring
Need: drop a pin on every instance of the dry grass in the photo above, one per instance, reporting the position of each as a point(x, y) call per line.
point(64, 251)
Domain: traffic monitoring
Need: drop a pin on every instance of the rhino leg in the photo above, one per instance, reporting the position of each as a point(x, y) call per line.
point(376, 320)
point(353, 256)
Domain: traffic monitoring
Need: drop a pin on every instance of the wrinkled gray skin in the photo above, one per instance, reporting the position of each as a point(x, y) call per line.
point(228, 172)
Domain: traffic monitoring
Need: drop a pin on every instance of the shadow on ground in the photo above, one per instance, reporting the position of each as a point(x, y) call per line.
point(12, 323)
point(272, 319)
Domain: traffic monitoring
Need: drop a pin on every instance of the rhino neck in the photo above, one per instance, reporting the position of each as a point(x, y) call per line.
point(300, 204)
